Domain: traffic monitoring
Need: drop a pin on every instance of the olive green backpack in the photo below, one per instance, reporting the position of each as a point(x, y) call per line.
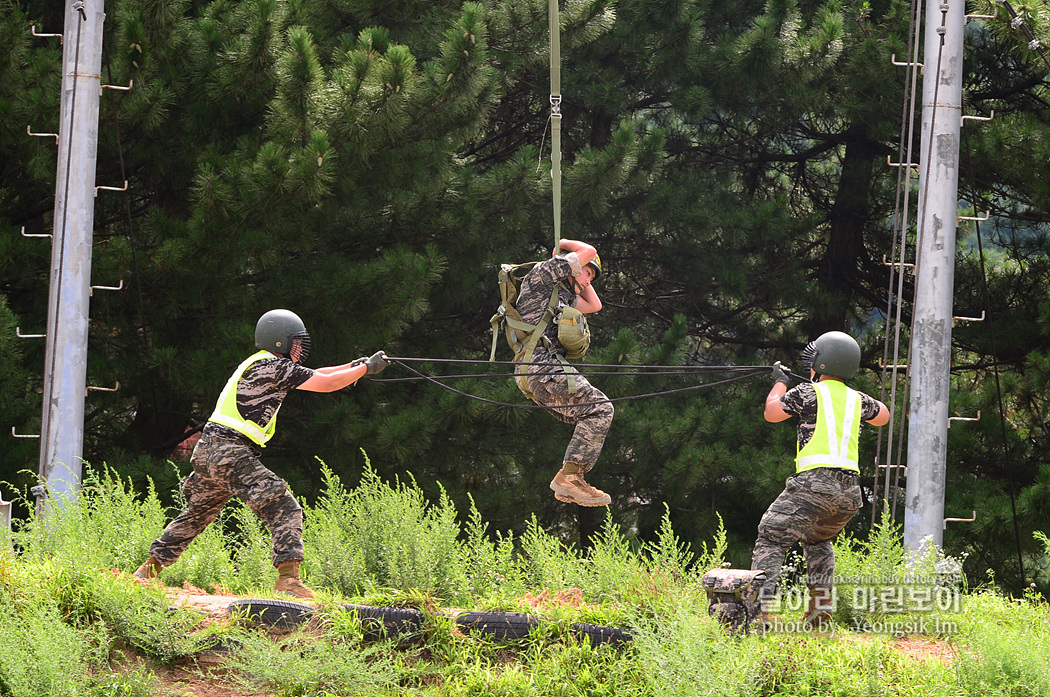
point(523, 337)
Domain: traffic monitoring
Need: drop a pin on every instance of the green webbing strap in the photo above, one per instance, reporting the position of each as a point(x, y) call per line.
point(555, 29)
point(548, 315)
point(570, 374)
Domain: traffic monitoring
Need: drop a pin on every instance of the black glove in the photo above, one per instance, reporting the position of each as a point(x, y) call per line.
point(376, 363)
point(780, 374)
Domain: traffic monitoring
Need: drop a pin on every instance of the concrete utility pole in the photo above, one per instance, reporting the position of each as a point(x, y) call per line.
point(65, 364)
point(931, 333)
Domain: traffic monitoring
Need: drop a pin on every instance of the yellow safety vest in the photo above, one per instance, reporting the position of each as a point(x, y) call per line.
point(227, 414)
point(834, 441)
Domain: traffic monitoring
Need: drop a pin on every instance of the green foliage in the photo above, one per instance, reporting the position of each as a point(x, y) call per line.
point(71, 620)
point(298, 666)
point(379, 535)
point(489, 561)
point(685, 652)
point(108, 525)
point(1002, 645)
point(370, 167)
point(42, 655)
point(876, 581)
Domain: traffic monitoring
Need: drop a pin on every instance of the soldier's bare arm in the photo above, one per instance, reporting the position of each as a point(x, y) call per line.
point(336, 377)
point(882, 418)
point(774, 412)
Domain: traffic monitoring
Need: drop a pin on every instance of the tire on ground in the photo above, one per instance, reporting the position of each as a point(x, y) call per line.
point(282, 614)
point(499, 625)
point(377, 622)
point(600, 634)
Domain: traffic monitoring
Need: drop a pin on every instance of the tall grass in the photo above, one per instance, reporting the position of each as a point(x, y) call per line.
point(69, 618)
point(878, 582)
point(382, 536)
point(108, 525)
point(297, 665)
point(1003, 646)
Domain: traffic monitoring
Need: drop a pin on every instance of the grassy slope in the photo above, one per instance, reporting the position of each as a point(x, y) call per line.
point(73, 627)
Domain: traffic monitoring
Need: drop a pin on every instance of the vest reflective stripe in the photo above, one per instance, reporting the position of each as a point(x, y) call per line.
point(837, 432)
point(227, 414)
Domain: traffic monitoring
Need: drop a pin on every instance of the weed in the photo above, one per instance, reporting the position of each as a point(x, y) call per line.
point(382, 535)
point(42, 655)
point(296, 666)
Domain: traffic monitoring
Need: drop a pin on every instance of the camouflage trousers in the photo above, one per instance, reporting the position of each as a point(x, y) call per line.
point(223, 469)
point(592, 421)
point(813, 508)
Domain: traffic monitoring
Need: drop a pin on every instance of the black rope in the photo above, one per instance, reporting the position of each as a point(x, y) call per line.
point(145, 333)
point(995, 364)
point(400, 362)
point(554, 371)
point(692, 368)
point(1018, 22)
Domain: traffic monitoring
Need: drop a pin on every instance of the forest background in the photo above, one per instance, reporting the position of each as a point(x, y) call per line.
point(370, 164)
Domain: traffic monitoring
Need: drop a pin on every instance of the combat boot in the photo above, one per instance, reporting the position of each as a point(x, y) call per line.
point(572, 488)
point(288, 581)
point(150, 569)
point(818, 614)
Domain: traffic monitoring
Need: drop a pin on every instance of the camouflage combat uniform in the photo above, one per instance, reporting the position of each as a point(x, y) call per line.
point(814, 506)
point(226, 464)
point(547, 377)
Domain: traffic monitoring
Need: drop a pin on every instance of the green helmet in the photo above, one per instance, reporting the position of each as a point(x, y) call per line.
point(277, 330)
point(833, 353)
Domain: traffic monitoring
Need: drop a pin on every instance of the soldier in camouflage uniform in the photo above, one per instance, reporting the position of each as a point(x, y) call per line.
point(226, 459)
point(573, 399)
point(823, 494)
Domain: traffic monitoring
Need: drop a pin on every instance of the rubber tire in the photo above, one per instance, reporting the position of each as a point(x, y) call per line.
point(598, 634)
point(498, 625)
point(377, 622)
point(282, 614)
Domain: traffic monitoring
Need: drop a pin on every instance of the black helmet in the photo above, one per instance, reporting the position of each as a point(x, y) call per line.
point(278, 331)
point(833, 353)
point(596, 264)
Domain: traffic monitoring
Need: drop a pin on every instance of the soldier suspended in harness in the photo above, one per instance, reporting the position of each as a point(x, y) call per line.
point(543, 316)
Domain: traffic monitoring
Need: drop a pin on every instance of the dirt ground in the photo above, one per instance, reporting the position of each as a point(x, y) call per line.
point(203, 676)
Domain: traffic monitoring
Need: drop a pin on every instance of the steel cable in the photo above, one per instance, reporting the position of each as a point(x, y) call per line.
point(762, 370)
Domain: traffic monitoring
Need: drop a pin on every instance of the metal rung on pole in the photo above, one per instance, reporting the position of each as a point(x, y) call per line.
point(891, 366)
point(901, 264)
point(118, 88)
point(29, 130)
point(112, 188)
point(964, 418)
point(32, 234)
point(32, 30)
point(92, 289)
point(991, 115)
point(972, 518)
point(93, 388)
point(893, 59)
point(968, 319)
point(891, 163)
